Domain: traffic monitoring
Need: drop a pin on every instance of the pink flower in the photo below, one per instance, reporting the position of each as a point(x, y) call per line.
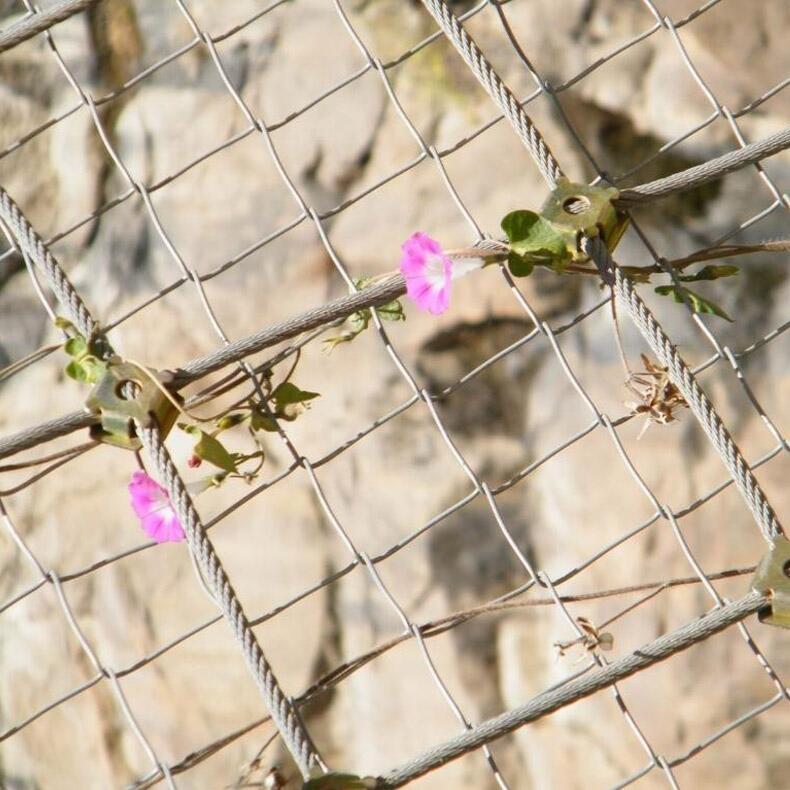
point(429, 272)
point(152, 506)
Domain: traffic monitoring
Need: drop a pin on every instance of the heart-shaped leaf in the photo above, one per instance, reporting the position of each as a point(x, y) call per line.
point(532, 236)
point(518, 224)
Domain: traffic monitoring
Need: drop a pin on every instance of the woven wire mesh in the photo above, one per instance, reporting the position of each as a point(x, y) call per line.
point(714, 356)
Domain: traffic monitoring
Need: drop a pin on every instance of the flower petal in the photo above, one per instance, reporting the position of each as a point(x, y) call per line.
point(438, 301)
point(152, 506)
point(146, 494)
point(163, 526)
point(427, 271)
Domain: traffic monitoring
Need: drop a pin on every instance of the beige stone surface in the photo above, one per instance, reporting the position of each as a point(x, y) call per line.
point(398, 478)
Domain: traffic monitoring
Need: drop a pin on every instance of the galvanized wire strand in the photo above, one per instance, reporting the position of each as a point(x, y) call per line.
point(31, 244)
point(567, 693)
point(683, 378)
point(282, 711)
point(497, 90)
point(708, 171)
point(32, 24)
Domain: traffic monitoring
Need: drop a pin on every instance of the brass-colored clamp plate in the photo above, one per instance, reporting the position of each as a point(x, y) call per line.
point(582, 209)
point(773, 577)
point(118, 413)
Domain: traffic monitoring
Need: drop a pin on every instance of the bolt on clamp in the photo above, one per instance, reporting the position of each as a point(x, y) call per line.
point(577, 210)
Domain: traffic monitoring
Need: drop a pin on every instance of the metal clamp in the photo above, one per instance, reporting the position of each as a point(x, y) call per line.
point(120, 406)
point(581, 210)
point(773, 578)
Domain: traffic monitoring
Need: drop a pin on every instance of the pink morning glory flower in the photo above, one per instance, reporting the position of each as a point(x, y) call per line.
point(429, 271)
point(152, 506)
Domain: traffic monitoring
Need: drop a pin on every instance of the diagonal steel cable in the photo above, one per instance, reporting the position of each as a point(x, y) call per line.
point(32, 245)
point(497, 89)
point(643, 318)
point(283, 714)
point(685, 381)
point(554, 699)
point(280, 707)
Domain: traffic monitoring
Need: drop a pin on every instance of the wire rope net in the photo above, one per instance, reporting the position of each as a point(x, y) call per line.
point(464, 565)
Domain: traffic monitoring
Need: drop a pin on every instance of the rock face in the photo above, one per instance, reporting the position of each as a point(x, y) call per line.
point(384, 488)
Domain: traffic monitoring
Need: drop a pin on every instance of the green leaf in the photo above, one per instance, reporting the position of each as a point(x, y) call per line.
point(518, 225)
point(288, 393)
point(76, 346)
point(698, 303)
point(710, 273)
point(210, 449)
point(519, 265)
point(533, 236)
point(75, 371)
point(290, 401)
point(702, 305)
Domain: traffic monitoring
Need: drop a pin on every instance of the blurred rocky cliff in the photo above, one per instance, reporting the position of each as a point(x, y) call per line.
point(218, 194)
